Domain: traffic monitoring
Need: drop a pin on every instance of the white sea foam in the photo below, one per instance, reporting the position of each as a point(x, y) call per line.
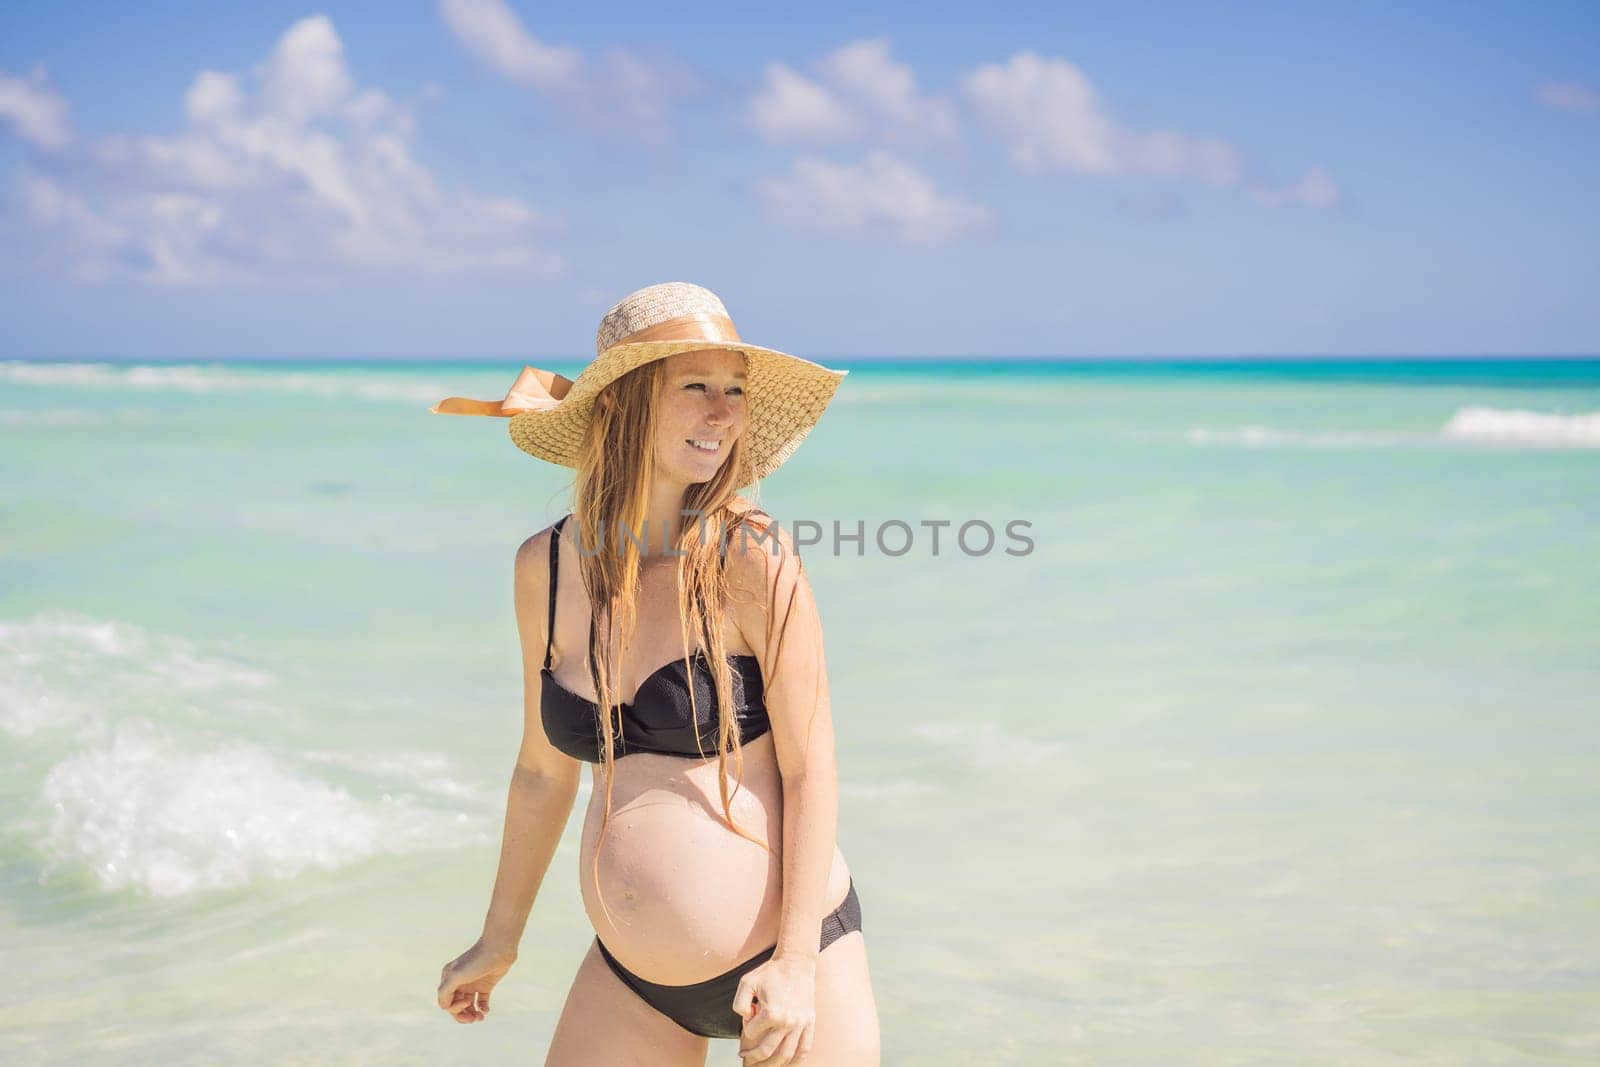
point(59, 670)
point(1524, 427)
point(1469, 425)
point(1474, 426)
point(427, 771)
point(144, 810)
point(143, 791)
point(219, 378)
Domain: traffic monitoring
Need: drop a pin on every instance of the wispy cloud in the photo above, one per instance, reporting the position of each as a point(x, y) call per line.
point(859, 91)
point(626, 92)
point(882, 196)
point(492, 33)
point(1569, 96)
point(33, 108)
point(290, 172)
point(1316, 188)
point(1051, 117)
point(792, 108)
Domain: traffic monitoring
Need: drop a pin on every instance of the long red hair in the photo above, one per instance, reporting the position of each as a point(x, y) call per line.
point(612, 493)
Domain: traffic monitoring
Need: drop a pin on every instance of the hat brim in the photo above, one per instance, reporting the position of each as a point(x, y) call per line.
point(785, 396)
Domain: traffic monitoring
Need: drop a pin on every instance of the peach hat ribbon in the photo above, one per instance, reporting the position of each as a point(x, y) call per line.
point(548, 416)
point(534, 390)
point(542, 390)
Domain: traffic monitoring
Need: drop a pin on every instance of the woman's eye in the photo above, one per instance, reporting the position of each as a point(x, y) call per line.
point(737, 391)
point(695, 385)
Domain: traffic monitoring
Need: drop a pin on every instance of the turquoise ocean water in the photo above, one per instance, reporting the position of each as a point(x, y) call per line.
point(1282, 745)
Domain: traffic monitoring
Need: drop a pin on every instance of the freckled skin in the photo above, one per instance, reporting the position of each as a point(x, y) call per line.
point(698, 406)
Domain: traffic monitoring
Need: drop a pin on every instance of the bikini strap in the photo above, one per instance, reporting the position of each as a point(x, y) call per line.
point(555, 570)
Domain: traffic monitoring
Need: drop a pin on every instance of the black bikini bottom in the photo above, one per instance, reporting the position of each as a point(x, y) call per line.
point(706, 1008)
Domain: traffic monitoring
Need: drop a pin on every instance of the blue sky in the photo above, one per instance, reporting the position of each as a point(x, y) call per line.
point(478, 178)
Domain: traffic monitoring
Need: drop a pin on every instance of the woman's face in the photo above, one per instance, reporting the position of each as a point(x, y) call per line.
point(701, 413)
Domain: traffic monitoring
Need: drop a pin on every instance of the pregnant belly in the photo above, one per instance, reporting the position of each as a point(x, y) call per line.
point(681, 897)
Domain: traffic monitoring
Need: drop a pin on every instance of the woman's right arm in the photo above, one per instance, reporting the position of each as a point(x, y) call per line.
point(544, 783)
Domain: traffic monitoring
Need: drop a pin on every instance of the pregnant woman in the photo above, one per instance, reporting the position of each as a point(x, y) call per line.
point(721, 905)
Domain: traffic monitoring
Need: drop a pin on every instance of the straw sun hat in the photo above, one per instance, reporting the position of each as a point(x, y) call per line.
point(549, 414)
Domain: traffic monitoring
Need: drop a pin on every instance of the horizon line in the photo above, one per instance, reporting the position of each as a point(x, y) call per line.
point(1431, 357)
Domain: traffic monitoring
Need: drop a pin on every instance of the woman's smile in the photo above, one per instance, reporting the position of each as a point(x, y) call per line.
point(701, 395)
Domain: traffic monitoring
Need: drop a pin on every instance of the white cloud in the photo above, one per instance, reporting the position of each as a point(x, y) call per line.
point(882, 196)
point(888, 90)
point(795, 108)
point(859, 92)
point(291, 171)
point(1568, 96)
point(1051, 116)
point(34, 109)
point(305, 76)
point(629, 93)
point(1048, 111)
point(492, 32)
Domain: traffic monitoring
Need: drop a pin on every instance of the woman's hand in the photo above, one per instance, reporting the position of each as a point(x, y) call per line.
point(778, 1002)
point(466, 981)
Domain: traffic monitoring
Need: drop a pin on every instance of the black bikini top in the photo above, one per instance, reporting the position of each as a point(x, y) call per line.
point(659, 719)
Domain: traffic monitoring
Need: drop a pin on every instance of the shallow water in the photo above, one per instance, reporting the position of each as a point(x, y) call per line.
point(1279, 746)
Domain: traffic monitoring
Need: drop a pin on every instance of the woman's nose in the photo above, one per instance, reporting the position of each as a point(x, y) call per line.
point(721, 411)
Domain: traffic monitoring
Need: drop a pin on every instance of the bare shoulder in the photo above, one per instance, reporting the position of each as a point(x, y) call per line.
point(769, 594)
point(535, 549)
point(761, 554)
point(532, 569)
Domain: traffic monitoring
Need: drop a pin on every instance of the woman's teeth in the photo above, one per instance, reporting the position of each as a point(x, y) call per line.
point(706, 446)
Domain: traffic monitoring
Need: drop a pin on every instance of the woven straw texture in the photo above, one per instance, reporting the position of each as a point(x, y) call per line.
point(653, 304)
point(784, 394)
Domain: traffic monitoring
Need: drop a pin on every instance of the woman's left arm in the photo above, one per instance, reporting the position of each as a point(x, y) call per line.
point(786, 631)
